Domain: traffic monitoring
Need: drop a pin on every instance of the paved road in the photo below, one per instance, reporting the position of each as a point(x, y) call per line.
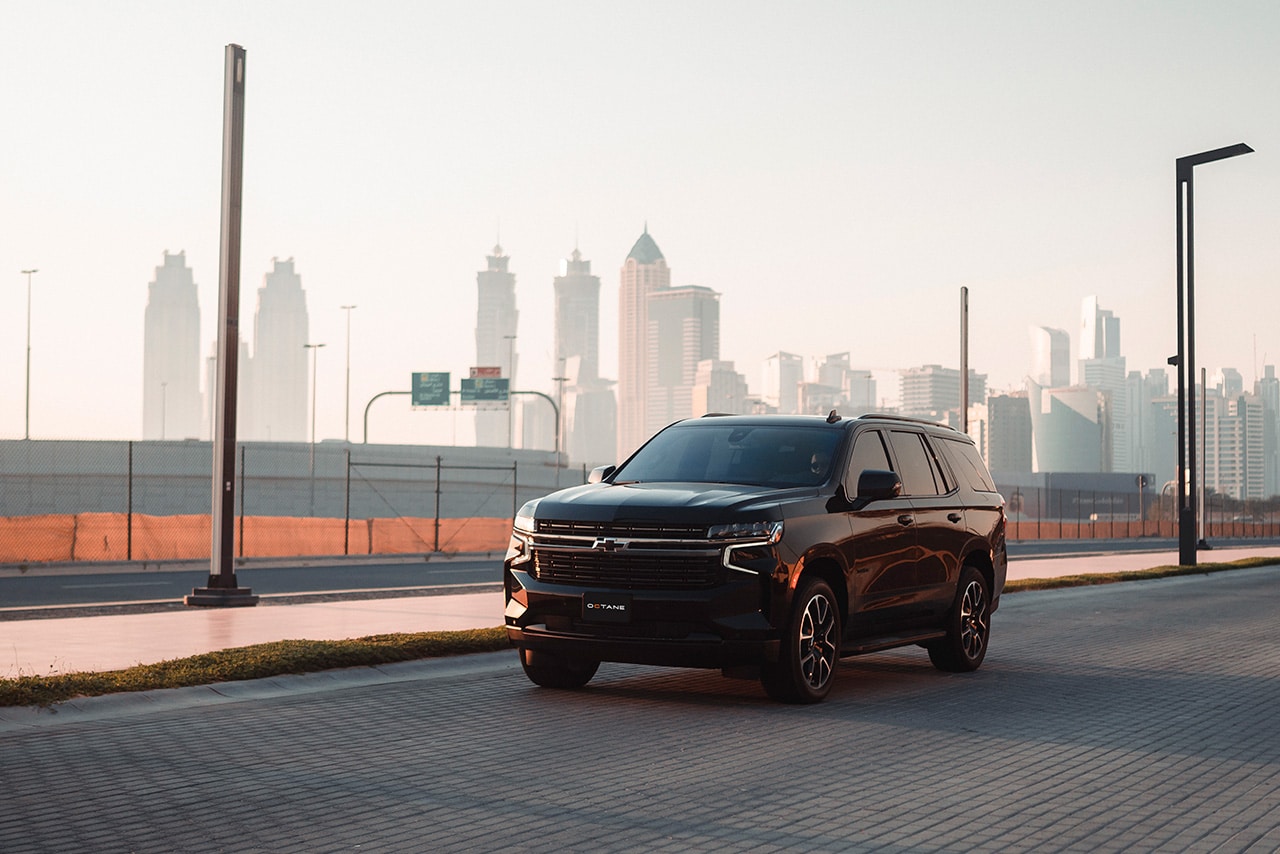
point(82, 584)
point(1138, 716)
point(89, 584)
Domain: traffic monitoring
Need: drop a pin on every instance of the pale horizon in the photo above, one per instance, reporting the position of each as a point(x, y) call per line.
point(835, 171)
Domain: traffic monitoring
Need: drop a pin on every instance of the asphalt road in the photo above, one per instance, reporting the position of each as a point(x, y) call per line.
point(1129, 717)
point(87, 584)
point(84, 585)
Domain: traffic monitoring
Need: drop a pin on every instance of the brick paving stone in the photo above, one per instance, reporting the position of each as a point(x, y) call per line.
point(1133, 717)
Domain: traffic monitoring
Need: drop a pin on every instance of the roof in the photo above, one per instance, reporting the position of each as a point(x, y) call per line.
point(646, 251)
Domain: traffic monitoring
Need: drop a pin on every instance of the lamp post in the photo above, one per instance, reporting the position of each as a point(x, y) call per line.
point(315, 350)
point(1186, 356)
point(26, 433)
point(511, 384)
point(559, 381)
point(346, 420)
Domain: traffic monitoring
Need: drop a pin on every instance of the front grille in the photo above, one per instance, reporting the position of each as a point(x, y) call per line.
point(623, 571)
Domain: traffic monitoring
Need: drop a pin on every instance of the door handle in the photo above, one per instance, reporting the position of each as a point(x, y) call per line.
point(954, 517)
point(906, 519)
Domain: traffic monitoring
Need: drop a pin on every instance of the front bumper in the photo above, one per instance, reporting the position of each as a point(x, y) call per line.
point(722, 626)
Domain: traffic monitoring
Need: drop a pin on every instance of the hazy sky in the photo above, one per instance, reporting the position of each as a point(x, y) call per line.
point(837, 171)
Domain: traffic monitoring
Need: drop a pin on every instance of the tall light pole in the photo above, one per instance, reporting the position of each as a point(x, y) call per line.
point(1186, 356)
point(511, 384)
point(315, 350)
point(26, 433)
point(559, 381)
point(346, 421)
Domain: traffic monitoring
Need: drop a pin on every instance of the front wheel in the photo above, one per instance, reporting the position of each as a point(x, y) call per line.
point(551, 671)
point(806, 663)
point(968, 626)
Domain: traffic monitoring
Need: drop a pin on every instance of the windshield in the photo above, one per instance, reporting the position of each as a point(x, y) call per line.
point(758, 455)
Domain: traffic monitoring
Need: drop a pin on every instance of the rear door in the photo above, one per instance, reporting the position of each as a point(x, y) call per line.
point(939, 520)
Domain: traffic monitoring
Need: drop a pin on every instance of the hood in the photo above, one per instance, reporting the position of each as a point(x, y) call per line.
point(707, 503)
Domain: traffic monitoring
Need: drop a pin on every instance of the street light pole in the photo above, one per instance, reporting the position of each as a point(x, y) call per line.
point(26, 434)
point(511, 383)
point(315, 350)
point(346, 421)
point(1186, 356)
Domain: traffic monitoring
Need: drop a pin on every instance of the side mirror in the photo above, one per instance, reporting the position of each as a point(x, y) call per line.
point(599, 473)
point(874, 485)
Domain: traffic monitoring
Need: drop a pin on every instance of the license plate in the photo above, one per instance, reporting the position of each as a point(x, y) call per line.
point(606, 607)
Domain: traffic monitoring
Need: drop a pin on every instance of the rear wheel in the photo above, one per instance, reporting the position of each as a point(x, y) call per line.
point(552, 671)
point(968, 626)
point(806, 663)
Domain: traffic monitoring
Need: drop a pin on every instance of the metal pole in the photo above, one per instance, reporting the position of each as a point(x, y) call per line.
point(346, 420)
point(436, 546)
point(128, 548)
point(244, 453)
point(222, 589)
point(964, 360)
point(311, 468)
point(346, 509)
point(26, 433)
point(1204, 454)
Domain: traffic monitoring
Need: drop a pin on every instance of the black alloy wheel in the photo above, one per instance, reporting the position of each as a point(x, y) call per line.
point(806, 664)
point(968, 626)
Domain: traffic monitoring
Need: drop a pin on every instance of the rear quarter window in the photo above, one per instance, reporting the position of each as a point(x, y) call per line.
point(967, 463)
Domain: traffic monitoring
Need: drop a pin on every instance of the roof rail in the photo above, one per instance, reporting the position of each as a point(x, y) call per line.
point(884, 416)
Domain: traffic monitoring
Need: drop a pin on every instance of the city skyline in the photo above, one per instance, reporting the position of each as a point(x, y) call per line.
point(836, 176)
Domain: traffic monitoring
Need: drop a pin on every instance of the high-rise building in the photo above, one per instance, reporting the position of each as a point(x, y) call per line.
point(717, 387)
point(171, 353)
point(280, 375)
point(1068, 428)
point(577, 295)
point(856, 388)
point(1099, 331)
point(590, 414)
point(683, 330)
point(1102, 368)
point(1006, 436)
point(932, 391)
point(496, 320)
point(783, 374)
point(644, 272)
point(1267, 389)
point(1050, 356)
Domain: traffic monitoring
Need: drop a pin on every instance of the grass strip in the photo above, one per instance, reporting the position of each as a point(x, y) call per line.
point(251, 662)
point(306, 656)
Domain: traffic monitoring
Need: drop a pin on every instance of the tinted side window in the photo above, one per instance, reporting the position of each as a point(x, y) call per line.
point(868, 453)
point(967, 464)
point(913, 463)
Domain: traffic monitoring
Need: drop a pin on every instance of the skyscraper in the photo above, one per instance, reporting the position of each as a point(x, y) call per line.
point(931, 391)
point(644, 272)
point(1102, 368)
point(683, 330)
point(589, 413)
point(783, 373)
point(496, 320)
point(171, 353)
point(280, 376)
point(1050, 357)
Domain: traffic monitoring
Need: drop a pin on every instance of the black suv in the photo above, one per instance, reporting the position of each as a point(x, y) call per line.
point(768, 546)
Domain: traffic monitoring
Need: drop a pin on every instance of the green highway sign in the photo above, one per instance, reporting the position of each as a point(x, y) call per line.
point(485, 389)
point(431, 389)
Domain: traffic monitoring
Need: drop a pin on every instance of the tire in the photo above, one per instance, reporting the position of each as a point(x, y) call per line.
point(551, 671)
point(810, 648)
point(968, 626)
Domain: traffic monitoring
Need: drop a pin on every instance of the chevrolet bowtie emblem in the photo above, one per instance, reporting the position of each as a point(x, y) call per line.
point(607, 544)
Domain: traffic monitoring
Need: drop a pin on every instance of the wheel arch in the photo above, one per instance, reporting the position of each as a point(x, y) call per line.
point(829, 570)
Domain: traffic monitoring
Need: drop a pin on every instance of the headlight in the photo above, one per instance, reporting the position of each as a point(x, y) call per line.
point(769, 532)
point(525, 523)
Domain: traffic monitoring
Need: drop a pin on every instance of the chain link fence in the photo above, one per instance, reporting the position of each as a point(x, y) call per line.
point(141, 501)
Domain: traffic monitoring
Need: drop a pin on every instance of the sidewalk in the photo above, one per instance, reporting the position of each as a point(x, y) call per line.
point(66, 645)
